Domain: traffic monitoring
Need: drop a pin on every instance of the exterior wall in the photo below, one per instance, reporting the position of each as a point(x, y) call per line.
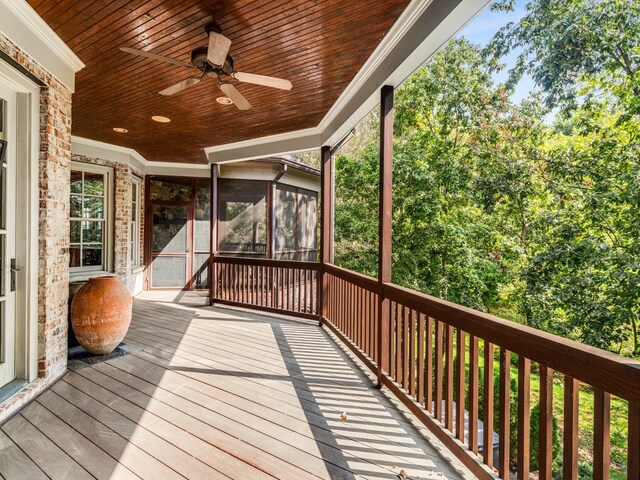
point(53, 236)
point(121, 218)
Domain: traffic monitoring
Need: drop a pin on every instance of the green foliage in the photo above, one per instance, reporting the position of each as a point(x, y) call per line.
point(535, 438)
point(493, 208)
point(568, 46)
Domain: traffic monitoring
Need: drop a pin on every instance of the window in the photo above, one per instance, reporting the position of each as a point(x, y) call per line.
point(134, 224)
point(91, 187)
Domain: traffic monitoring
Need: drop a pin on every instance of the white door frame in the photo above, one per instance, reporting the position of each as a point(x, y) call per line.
point(27, 205)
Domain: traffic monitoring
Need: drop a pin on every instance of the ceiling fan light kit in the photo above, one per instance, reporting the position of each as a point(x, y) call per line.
point(214, 61)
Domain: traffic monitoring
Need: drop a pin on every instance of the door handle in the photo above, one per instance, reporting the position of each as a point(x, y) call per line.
point(13, 268)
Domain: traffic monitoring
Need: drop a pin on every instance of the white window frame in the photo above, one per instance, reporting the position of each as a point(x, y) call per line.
point(134, 222)
point(107, 238)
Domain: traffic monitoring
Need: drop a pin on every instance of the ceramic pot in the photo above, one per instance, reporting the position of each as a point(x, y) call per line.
point(101, 314)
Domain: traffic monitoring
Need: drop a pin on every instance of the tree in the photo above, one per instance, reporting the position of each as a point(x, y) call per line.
point(566, 44)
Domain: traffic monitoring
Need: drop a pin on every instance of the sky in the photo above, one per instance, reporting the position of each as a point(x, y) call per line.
point(484, 26)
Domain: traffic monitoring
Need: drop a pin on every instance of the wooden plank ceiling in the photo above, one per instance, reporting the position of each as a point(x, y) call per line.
point(317, 44)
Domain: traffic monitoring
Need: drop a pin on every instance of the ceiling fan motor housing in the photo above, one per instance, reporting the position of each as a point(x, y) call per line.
point(199, 60)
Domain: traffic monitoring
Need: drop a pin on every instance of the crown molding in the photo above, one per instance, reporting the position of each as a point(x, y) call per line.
point(272, 145)
point(23, 26)
point(129, 156)
point(407, 19)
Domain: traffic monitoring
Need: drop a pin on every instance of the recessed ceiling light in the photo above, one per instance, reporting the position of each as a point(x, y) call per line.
point(224, 100)
point(158, 118)
point(120, 130)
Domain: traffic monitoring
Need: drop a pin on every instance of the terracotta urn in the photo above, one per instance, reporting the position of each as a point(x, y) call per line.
point(101, 314)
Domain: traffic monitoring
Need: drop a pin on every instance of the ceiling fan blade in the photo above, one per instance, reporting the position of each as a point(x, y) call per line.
point(159, 58)
point(263, 80)
point(178, 87)
point(218, 48)
point(237, 98)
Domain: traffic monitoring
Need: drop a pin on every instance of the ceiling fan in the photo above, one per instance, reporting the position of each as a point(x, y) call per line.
point(214, 61)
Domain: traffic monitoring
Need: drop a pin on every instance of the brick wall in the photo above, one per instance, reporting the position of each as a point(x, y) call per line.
point(123, 174)
point(53, 234)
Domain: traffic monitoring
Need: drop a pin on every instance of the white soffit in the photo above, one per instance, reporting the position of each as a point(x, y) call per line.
point(24, 27)
point(421, 30)
point(273, 145)
point(116, 153)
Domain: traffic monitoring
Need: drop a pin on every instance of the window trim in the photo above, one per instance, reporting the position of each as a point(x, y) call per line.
point(135, 253)
point(107, 239)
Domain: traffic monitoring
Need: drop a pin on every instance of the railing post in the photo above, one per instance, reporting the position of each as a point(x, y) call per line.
point(213, 239)
point(384, 225)
point(326, 226)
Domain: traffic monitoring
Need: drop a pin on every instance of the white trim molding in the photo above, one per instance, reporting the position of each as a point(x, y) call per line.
point(116, 153)
point(24, 27)
point(272, 145)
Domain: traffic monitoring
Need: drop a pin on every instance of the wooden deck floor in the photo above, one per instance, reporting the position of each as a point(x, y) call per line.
point(218, 393)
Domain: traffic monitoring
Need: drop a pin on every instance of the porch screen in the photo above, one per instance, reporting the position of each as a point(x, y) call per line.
point(243, 217)
point(296, 217)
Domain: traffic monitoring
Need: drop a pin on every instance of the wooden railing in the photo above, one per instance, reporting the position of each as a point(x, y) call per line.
point(454, 367)
point(289, 287)
point(435, 353)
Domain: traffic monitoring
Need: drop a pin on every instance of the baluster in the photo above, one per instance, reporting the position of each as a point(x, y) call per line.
point(289, 290)
point(570, 447)
point(260, 286)
point(412, 353)
point(439, 373)
point(240, 283)
point(406, 360)
point(487, 405)
point(300, 306)
point(281, 287)
point(448, 404)
point(399, 339)
point(633, 443)
point(421, 359)
point(524, 412)
point(227, 281)
point(504, 412)
point(460, 384)
point(234, 282)
point(343, 306)
point(366, 298)
point(428, 369)
point(545, 456)
point(304, 297)
point(473, 393)
point(601, 438)
point(361, 320)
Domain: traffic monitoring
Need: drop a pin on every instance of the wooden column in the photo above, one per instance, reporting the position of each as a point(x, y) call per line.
point(384, 225)
point(213, 240)
point(326, 224)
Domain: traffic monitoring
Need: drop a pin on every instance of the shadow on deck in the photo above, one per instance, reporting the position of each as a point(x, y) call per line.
point(219, 393)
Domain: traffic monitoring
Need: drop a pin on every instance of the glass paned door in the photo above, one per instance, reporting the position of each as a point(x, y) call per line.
point(170, 246)
point(8, 268)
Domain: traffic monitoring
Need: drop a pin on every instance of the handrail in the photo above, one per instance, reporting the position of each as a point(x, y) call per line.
point(359, 279)
point(267, 262)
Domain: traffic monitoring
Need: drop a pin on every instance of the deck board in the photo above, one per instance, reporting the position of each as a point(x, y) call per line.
point(220, 393)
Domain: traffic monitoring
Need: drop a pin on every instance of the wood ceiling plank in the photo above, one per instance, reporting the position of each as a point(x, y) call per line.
point(318, 45)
